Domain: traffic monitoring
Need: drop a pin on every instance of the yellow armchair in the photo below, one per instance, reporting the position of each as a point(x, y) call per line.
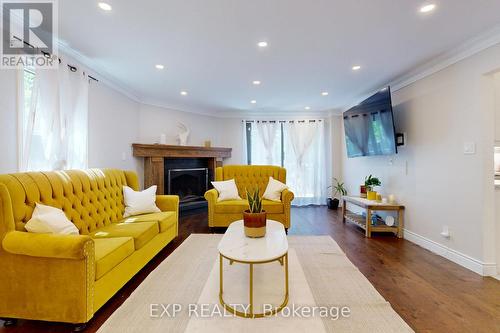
point(221, 214)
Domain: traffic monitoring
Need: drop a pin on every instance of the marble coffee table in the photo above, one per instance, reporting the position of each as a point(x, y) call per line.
point(236, 247)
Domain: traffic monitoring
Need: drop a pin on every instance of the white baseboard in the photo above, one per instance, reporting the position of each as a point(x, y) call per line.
point(477, 266)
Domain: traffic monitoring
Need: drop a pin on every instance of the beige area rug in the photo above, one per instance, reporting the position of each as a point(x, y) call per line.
point(320, 275)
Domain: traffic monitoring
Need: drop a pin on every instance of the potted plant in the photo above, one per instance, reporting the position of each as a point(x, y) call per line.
point(338, 188)
point(370, 183)
point(254, 218)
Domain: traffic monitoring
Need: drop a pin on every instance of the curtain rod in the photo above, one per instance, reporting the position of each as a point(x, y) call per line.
point(46, 54)
point(282, 121)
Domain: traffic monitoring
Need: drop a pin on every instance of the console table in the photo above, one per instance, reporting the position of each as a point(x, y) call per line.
point(365, 222)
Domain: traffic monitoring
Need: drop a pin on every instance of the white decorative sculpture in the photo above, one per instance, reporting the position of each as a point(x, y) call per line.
point(182, 137)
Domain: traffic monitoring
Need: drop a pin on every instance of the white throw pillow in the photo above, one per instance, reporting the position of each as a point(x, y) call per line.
point(139, 202)
point(50, 220)
point(274, 189)
point(227, 190)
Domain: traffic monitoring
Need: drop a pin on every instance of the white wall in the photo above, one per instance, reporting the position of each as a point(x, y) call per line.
point(336, 145)
point(113, 127)
point(155, 121)
point(431, 176)
point(496, 233)
point(222, 132)
point(8, 121)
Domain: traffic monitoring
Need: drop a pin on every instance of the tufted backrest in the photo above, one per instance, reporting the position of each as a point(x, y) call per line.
point(250, 176)
point(90, 198)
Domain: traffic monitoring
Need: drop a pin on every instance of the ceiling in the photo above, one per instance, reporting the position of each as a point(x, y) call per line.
point(209, 48)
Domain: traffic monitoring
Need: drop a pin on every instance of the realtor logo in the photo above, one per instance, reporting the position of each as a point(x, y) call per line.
point(29, 34)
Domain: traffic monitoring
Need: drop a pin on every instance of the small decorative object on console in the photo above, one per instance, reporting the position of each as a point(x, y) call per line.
point(389, 220)
point(254, 219)
point(362, 191)
point(392, 199)
point(370, 183)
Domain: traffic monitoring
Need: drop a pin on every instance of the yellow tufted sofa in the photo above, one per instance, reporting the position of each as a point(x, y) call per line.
point(221, 214)
point(67, 278)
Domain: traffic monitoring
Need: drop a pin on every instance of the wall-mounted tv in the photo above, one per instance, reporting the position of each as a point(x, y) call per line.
point(369, 127)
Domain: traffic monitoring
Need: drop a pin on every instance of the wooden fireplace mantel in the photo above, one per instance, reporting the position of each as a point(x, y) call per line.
point(157, 150)
point(155, 154)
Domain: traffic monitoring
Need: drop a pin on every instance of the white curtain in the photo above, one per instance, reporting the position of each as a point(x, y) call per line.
point(266, 143)
point(55, 123)
point(268, 134)
point(302, 151)
point(305, 161)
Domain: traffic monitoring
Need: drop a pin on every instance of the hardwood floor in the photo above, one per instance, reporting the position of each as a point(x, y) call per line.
point(429, 292)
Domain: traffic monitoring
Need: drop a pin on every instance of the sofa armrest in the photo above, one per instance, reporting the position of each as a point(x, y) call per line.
point(287, 196)
point(211, 196)
point(47, 245)
point(168, 203)
point(47, 277)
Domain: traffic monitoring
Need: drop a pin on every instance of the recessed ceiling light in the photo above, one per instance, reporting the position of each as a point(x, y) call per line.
point(253, 101)
point(324, 93)
point(256, 82)
point(307, 108)
point(159, 66)
point(184, 93)
point(356, 68)
point(427, 8)
point(104, 6)
point(262, 44)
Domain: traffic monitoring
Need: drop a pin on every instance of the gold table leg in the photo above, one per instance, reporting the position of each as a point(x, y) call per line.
point(251, 314)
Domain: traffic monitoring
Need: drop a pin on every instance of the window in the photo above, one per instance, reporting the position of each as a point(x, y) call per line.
point(265, 143)
point(299, 147)
point(29, 78)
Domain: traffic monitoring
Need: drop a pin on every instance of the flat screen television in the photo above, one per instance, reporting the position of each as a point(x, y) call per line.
point(369, 127)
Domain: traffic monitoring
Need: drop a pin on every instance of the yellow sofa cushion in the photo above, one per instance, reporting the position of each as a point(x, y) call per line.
point(165, 220)
point(141, 232)
point(239, 206)
point(109, 252)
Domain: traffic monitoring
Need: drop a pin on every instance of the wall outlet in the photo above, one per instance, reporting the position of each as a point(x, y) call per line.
point(446, 232)
point(124, 156)
point(469, 148)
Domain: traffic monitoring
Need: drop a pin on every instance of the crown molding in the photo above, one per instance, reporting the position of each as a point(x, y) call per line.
point(463, 51)
point(274, 114)
point(100, 73)
point(160, 104)
point(240, 113)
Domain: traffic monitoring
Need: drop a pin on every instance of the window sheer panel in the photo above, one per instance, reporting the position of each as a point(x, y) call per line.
point(54, 120)
point(266, 143)
point(299, 147)
point(305, 162)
